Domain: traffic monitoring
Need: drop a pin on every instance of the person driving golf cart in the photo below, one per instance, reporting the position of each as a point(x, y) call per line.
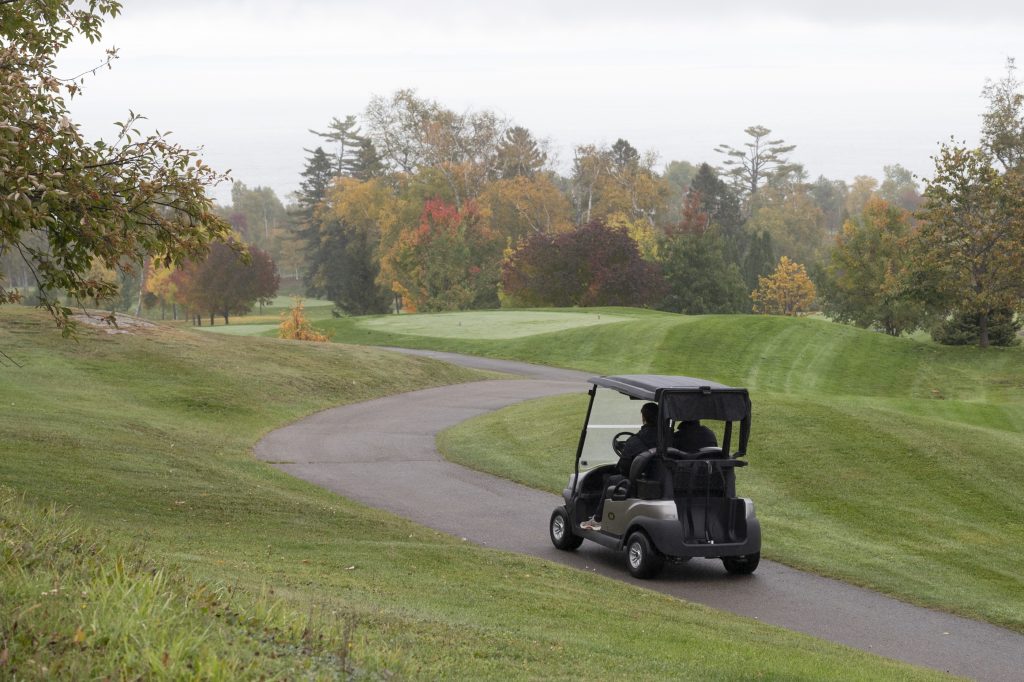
point(641, 441)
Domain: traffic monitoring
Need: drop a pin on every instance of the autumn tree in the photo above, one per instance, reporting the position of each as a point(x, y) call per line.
point(970, 246)
point(412, 134)
point(753, 164)
point(593, 265)
point(788, 291)
point(860, 192)
point(794, 220)
point(866, 267)
point(296, 327)
point(521, 205)
point(1002, 129)
point(449, 261)
point(225, 283)
point(116, 201)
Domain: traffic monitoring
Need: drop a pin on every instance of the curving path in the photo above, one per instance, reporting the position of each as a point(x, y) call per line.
point(382, 453)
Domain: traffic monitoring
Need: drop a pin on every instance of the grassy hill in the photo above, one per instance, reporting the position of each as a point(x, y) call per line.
point(140, 539)
point(891, 463)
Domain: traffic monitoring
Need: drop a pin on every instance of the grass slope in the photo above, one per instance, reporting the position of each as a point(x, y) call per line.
point(889, 463)
point(172, 554)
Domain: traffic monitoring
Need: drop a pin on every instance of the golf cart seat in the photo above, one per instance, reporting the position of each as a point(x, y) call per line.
point(649, 479)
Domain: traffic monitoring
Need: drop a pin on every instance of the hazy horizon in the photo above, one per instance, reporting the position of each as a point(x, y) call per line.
point(855, 88)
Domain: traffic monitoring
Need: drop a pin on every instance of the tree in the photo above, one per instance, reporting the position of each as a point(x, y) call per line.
point(413, 134)
point(592, 265)
point(345, 136)
point(677, 175)
point(795, 222)
point(449, 261)
point(113, 201)
point(226, 283)
point(317, 177)
point(964, 329)
point(296, 327)
point(1002, 124)
point(899, 188)
point(518, 154)
point(750, 168)
point(830, 196)
point(348, 267)
point(521, 205)
point(788, 291)
point(698, 278)
point(971, 241)
point(862, 283)
point(862, 189)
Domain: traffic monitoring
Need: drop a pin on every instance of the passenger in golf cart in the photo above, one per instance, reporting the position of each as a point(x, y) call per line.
point(673, 504)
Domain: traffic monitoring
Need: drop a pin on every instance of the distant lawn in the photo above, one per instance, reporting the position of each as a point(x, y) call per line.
point(170, 553)
point(486, 324)
point(890, 463)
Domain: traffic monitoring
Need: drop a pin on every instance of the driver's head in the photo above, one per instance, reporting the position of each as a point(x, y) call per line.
point(649, 412)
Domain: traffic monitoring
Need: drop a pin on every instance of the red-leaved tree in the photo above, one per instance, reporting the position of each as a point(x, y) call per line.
point(593, 265)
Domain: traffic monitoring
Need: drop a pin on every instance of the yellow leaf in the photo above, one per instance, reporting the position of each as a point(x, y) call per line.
point(79, 637)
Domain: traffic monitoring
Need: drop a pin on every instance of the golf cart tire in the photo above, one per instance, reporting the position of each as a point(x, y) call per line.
point(560, 529)
point(643, 559)
point(742, 565)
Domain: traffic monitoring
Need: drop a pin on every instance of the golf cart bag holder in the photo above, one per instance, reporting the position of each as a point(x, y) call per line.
point(704, 490)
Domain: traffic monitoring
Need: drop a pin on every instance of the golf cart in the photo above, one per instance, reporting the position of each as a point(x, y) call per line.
point(674, 504)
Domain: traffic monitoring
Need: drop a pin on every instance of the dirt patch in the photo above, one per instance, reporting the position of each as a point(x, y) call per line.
point(122, 324)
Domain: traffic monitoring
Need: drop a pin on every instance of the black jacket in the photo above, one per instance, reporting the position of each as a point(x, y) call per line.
point(641, 441)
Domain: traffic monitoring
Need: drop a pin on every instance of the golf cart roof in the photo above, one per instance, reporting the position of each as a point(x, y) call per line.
point(683, 398)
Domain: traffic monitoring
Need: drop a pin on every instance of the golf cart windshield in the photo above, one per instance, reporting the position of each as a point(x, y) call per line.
point(611, 413)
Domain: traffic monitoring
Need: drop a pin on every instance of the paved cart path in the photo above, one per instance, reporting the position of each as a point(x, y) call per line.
point(382, 453)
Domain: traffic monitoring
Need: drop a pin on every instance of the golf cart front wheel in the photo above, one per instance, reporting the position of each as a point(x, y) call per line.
point(742, 565)
point(643, 559)
point(560, 528)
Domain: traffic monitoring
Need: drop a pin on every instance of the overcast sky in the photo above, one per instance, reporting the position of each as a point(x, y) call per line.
point(855, 87)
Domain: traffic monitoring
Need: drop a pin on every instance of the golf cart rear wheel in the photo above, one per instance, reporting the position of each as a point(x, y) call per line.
point(742, 565)
point(643, 559)
point(560, 528)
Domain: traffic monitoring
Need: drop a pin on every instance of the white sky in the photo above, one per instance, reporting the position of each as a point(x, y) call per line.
point(855, 86)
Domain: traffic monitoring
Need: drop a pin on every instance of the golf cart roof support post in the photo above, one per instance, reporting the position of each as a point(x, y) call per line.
point(583, 437)
point(744, 436)
point(727, 439)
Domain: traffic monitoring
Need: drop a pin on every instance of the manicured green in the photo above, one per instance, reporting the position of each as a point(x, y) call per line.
point(174, 554)
point(891, 463)
point(486, 324)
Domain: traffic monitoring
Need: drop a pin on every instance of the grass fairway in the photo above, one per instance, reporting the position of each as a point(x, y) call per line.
point(488, 324)
point(889, 463)
point(140, 540)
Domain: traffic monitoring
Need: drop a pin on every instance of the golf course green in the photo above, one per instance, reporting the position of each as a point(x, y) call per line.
point(139, 538)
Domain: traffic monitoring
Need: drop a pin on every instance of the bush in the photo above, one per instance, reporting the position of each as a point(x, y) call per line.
point(964, 329)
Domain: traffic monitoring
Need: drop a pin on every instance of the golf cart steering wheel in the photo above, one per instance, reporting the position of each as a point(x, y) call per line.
point(618, 442)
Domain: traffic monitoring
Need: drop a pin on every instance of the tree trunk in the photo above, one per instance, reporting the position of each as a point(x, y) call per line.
point(211, 318)
point(225, 317)
point(142, 287)
point(983, 330)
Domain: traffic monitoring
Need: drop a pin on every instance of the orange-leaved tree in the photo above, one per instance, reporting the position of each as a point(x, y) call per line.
point(787, 291)
point(295, 326)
